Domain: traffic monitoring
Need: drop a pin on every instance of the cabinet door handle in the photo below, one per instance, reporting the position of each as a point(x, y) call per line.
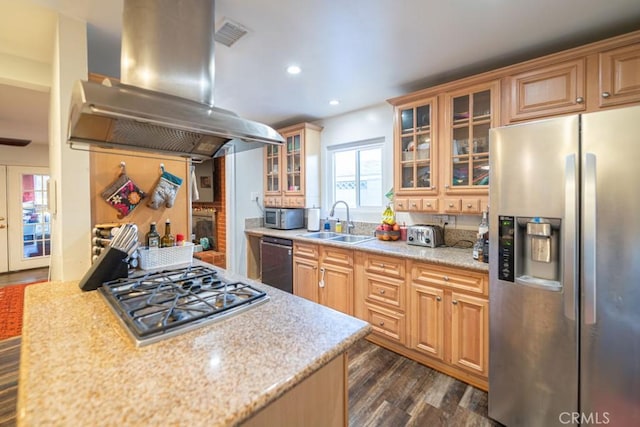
point(2, 226)
point(1, 218)
point(438, 298)
point(579, 100)
point(381, 323)
point(454, 302)
point(450, 205)
point(446, 186)
point(428, 204)
point(445, 278)
point(469, 205)
point(606, 94)
point(381, 291)
point(321, 282)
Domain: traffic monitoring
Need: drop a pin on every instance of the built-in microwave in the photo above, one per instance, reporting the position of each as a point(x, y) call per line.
point(283, 219)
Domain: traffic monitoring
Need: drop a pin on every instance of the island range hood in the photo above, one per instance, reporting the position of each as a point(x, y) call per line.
point(164, 103)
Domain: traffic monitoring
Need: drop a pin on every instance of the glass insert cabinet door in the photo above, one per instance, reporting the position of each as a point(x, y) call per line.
point(470, 122)
point(416, 146)
point(273, 169)
point(293, 156)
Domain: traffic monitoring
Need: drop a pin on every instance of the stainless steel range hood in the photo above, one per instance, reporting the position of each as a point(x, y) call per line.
point(164, 103)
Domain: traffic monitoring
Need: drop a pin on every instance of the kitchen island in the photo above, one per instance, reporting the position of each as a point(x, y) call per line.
point(79, 366)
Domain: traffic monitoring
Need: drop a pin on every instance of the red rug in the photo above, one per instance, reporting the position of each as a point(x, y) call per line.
point(11, 306)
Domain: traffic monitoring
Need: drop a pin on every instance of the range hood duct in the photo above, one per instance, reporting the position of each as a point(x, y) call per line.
point(164, 103)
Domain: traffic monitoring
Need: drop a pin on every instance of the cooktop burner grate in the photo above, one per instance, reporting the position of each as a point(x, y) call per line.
point(165, 303)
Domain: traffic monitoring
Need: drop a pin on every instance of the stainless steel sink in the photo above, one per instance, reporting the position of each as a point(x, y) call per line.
point(337, 237)
point(350, 238)
point(321, 235)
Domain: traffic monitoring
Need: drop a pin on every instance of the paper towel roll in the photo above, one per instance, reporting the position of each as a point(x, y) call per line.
point(313, 219)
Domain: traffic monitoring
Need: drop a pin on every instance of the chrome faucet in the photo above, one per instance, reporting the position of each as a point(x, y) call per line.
point(349, 223)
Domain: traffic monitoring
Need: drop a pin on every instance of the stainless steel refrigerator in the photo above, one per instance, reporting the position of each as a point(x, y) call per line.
point(565, 271)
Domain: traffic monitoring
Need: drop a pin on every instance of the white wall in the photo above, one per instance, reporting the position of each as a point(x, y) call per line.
point(31, 155)
point(369, 123)
point(69, 169)
point(243, 176)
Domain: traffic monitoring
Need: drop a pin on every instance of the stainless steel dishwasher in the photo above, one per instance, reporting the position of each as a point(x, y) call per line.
point(276, 257)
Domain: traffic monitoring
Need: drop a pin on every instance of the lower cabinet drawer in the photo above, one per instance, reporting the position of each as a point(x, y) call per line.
point(385, 291)
point(306, 250)
point(386, 323)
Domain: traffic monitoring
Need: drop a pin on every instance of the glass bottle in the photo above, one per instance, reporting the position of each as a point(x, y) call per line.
point(167, 240)
point(478, 248)
point(152, 238)
point(484, 224)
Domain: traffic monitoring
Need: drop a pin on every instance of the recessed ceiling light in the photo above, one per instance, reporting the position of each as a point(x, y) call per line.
point(334, 102)
point(293, 69)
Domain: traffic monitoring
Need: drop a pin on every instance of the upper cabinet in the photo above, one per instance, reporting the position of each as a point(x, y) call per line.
point(547, 90)
point(415, 140)
point(585, 79)
point(292, 171)
point(441, 134)
point(619, 75)
point(441, 147)
point(470, 113)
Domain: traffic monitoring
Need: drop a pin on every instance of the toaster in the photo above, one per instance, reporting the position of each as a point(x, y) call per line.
point(430, 236)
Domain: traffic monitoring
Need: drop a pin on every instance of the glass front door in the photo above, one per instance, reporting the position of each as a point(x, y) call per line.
point(29, 222)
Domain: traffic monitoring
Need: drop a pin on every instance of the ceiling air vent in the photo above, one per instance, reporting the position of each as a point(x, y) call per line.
point(229, 32)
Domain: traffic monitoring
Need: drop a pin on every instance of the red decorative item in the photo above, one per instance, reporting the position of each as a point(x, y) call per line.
point(123, 194)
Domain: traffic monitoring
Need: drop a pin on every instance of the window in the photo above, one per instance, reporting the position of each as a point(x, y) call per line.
point(357, 173)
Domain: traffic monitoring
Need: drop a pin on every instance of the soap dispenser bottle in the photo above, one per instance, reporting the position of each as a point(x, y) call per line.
point(327, 225)
point(338, 226)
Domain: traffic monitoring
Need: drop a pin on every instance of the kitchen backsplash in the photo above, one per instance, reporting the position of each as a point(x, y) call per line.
point(452, 236)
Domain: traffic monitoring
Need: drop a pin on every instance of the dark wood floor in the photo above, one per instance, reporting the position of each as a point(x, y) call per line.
point(24, 276)
point(9, 365)
point(385, 389)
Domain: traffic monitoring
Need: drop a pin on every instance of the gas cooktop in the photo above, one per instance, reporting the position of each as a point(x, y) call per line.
point(158, 305)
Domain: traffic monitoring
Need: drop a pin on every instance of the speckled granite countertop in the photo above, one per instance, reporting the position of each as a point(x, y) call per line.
point(452, 257)
point(79, 366)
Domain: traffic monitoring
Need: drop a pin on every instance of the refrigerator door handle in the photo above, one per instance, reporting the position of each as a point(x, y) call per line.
point(589, 277)
point(570, 236)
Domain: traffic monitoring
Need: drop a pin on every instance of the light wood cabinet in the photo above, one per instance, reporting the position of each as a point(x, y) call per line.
point(449, 316)
point(468, 115)
point(415, 147)
point(305, 271)
point(586, 79)
point(324, 274)
point(469, 332)
point(441, 148)
point(336, 279)
point(548, 90)
point(427, 320)
point(436, 315)
point(619, 81)
point(292, 171)
point(380, 296)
